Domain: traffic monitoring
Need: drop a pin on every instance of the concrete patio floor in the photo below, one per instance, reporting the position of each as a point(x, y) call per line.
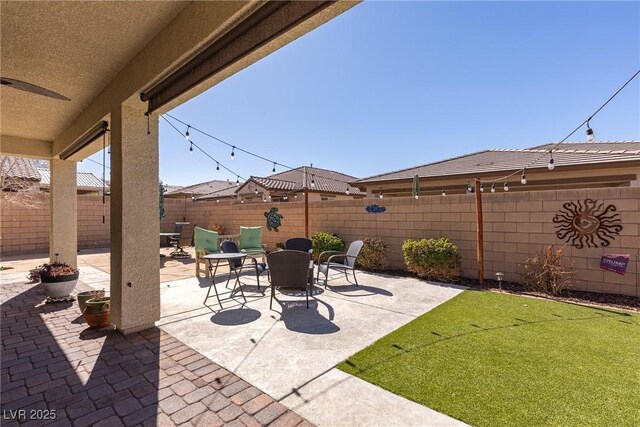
point(291, 352)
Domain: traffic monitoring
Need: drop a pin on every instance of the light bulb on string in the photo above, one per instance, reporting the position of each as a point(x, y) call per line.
point(493, 187)
point(381, 195)
point(217, 200)
point(191, 148)
point(347, 192)
point(443, 193)
point(233, 152)
point(217, 167)
point(481, 187)
point(551, 164)
point(313, 181)
point(523, 178)
point(469, 188)
point(416, 196)
point(590, 135)
point(506, 186)
point(238, 180)
point(186, 135)
point(274, 167)
point(256, 191)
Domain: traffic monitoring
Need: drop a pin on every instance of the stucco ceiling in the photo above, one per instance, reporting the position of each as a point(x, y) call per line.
point(73, 48)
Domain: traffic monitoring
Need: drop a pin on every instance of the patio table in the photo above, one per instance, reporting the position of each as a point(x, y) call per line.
point(229, 257)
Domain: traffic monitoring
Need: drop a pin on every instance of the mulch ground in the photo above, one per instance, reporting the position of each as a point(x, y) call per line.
point(624, 302)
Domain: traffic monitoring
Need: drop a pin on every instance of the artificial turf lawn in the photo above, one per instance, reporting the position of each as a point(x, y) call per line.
point(493, 359)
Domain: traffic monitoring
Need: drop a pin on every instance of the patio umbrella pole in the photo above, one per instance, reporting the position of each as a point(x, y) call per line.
point(480, 240)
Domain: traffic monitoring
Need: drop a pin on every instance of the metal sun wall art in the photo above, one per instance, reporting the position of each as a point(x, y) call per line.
point(274, 219)
point(587, 223)
point(375, 209)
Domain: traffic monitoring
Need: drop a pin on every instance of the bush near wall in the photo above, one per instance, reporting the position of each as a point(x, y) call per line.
point(433, 259)
point(326, 242)
point(374, 254)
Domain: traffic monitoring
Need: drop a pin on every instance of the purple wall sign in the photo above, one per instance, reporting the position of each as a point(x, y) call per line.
point(614, 262)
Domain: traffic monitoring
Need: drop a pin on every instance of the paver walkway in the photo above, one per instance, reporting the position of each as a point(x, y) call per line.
point(54, 367)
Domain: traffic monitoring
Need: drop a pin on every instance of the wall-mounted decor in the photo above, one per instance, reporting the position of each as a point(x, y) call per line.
point(274, 219)
point(375, 209)
point(587, 223)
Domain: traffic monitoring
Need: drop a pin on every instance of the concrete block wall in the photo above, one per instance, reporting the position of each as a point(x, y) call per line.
point(516, 225)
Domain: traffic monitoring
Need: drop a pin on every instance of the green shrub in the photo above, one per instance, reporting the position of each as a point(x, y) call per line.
point(434, 259)
point(373, 255)
point(280, 245)
point(326, 242)
point(548, 271)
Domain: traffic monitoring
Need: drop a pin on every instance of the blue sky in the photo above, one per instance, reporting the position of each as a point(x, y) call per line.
point(389, 85)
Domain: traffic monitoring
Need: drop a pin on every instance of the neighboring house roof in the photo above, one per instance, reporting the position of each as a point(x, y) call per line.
point(220, 194)
point(501, 160)
point(19, 167)
point(84, 180)
point(172, 188)
point(326, 181)
point(201, 188)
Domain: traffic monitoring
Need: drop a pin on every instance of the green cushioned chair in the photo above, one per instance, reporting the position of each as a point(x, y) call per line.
point(205, 242)
point(251, 241)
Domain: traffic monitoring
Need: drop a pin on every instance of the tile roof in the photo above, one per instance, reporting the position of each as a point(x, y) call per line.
point(596, 145)
point(202, 188)
point(509, 160)
point(84, 180)
point(19, 167)
point(220, 194)
point(326, 181)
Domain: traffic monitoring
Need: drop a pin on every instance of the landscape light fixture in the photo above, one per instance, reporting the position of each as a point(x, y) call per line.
point(499, 277)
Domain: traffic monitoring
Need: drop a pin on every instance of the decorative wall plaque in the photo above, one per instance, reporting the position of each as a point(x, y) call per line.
point(274, 219)
point(375, 209)
point(587, 223)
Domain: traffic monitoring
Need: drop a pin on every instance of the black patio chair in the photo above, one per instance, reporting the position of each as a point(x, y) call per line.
point(289, 270)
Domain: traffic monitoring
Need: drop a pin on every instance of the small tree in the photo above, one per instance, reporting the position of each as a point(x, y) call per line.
point(17, 190)
point(161, 191)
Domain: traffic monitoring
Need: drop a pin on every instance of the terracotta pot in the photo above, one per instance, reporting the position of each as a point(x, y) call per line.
point(96, 313)
point(59, 286)
point(83, 297)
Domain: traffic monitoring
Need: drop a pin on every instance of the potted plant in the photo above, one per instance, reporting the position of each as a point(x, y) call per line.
point(58, 279)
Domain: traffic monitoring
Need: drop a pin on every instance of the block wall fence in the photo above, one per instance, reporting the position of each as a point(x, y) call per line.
point(516, 225)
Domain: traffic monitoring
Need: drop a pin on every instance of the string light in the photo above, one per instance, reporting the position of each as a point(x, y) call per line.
point(238, 180)
point(523, 179)
point(233, 153)
point(256, 191)
point(469, 188)
point(217, 167)
point(347, 192)
point(443, 193)
point(493, 187)
point(550, 165)
point(416, 196)
point(590, 136)
point(274, 167)
point(381, 195)
point(506, 186)
point(217, 200)
point(191, 148)
point(186, 135)
point(313, 181)
point(481, 187)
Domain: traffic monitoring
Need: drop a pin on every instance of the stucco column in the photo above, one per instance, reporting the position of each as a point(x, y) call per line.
point(63, 234)
point(135, 256)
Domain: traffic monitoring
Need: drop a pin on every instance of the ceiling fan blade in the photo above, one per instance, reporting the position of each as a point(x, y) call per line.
point(28, 87)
